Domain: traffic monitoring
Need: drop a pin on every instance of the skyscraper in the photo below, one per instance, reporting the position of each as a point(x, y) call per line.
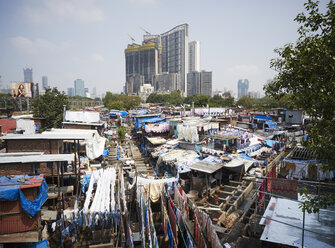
point(142, 60)
point(70, 91)
point(28, 74)
point(242, 87)
point(199, 83)
point(194, 56)
point(79, 87)
point(44, 82)
point(172, 57)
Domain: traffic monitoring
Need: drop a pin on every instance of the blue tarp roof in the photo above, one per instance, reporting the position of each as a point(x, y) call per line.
point(272, 125)
point(270, 143)
point(141, 121)
point(41, 244)
point(118, 113)
point(263, 117)
point(139, 112)
point(10, 189)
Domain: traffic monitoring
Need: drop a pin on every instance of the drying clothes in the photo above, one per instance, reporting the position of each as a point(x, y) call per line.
point(157, 128)
point(284, 187)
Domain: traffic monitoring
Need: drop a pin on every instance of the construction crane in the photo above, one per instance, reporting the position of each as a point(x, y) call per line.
point(131, 38)
point(147, 32)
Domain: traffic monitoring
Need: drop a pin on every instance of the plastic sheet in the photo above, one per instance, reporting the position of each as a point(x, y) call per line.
point(11, 190)
point(82, 116)
point(27, 125)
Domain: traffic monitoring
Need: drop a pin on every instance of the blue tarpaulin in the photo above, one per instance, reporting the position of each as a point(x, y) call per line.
point(272, 125)
point(86, 182)
point(271, 143)
point(118, 113)
point(105, 153)
point(10, 189)
point(263, 117)
point(41, 244)
point(139, 112)
point(140, 122)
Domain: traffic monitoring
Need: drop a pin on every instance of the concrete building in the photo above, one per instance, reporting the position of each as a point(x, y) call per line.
point(206, 83)
point(194, 56)
point(145, 91)
point(79, 87)
point(28, 75)
point(142, 60)
point(45, 82)
point(242, 87)
point(254, 94)
point(199, 83)
point(174, 57)
point(167, 82)
point(133, 84)
point(70, 91)
point(94, 92)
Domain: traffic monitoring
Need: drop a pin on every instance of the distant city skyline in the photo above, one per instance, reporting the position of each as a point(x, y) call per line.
point(237, 38)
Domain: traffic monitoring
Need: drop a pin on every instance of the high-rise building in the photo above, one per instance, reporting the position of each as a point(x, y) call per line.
point(199, 83)
point(206, 83)
point(242, 87)
point(44, 82)
point(194, 56)
point(193, 83)
point(94, 92)
point(79, 87)
point(142, 60)
point(158, 54)
point(28, 74)
point(70, 91)
point(167, 82)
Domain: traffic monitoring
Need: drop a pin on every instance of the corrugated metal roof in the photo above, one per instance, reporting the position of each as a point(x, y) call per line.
point(205, 167)
point(36, 158)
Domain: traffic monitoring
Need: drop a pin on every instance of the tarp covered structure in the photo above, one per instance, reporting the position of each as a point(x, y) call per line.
point(140, 121)
point(28, 126)
point(118, 113)
point(95, 144)
point(11, 189)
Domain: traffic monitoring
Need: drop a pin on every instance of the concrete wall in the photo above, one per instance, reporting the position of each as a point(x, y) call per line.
point(28, 168)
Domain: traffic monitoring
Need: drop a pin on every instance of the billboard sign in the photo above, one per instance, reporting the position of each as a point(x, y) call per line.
point(21, 89)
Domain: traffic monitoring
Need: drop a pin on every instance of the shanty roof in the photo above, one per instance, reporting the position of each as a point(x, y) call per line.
point(205, 167)
point(283, 225)
point(83, 123)
point(36, 158)
point(302, 153)
point(12, 154)
point(45, 136)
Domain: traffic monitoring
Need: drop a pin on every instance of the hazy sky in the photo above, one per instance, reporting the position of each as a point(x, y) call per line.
point(70, 39)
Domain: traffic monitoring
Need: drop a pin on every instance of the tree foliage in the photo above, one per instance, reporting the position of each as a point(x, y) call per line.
point(306, 70)
point(50, 107)
point(174, 98)
point(117, 101)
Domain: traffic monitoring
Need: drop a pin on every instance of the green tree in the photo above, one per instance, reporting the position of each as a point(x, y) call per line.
point(117, 101)
point(121, 132)
point(50, 107)
point(306, 70)
point(246, 102)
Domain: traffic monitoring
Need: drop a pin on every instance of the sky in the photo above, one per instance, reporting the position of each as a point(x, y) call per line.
point(70, 39)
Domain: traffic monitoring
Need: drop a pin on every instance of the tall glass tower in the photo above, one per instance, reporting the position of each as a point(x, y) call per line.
point(79, 87)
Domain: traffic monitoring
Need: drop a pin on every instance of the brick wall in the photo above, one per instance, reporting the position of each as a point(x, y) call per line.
point(74, 126)
point(35, 146)
point(27, 168)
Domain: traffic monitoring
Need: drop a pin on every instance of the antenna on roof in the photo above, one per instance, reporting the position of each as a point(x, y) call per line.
point(131, 38)
point(147, 32)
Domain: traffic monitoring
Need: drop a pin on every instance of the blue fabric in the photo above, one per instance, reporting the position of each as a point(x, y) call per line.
point(270, 143)
point(41, 244)
point(10, 190)
point(118, 113)
point(86, 182)
point(140, 122)
point(244, 156)
point(32, 207)
point(105, 153)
